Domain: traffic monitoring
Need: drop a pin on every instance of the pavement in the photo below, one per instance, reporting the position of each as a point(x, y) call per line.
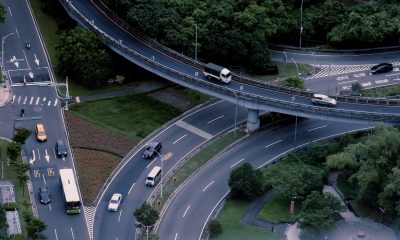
point(5, 93)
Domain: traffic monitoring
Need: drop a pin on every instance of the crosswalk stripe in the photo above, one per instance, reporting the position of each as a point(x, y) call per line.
point(194, 129)
point(30, 102)
point(49, 103)
point(55, 102)
point(89, 214)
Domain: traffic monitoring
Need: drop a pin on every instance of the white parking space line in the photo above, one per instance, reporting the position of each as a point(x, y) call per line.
point(208, 186)
point(237, 163)
point(215, 119)
point(130, 189)
point(313, 129)
point(187, 209)
point(273, 143)
point(179, 139)
point(119, 218)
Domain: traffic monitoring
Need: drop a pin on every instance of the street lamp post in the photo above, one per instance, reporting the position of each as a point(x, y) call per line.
point(301, 21)
point(236, 96)
point(195, 49)
point(3, 39)
point(297, 68)
point(147, 228)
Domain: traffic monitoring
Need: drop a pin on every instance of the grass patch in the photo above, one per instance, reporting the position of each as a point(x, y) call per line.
point(278, 210)
point(134, 116)
point(232, 228)
point(195, 162)
point(345, 187)
point(285, 71)
point(382, 91)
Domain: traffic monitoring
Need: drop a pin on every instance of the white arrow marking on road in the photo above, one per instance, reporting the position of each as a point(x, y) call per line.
point(13, 59)
point(16, 64)
point(36, 60)
point(47, 156)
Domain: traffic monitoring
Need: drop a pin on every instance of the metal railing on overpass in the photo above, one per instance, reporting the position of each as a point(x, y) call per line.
point(250, 99)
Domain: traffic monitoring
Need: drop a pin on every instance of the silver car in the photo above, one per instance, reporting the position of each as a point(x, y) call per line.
point(322, 99)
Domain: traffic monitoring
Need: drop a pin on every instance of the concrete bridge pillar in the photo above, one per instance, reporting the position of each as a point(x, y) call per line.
point(253, 122)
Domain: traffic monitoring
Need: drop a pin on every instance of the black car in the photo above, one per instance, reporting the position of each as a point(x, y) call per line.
point(381, 68)
point(28, 44)
point(44, 195)
point(61, 150)
point(151, 150)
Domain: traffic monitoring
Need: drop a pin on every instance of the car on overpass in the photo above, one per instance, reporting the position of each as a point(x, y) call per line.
point(322, 99)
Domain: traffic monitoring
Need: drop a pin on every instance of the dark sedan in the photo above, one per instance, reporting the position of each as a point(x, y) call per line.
point(381, 68)
point(61, 150)
point(44, 195)
point(151, 150)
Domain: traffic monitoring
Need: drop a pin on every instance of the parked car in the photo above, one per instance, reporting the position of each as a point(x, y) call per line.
point(114, 202)
point(151, 150)
point(381, 68)
point(61, 149)
point(44, 195)
point(322, 99)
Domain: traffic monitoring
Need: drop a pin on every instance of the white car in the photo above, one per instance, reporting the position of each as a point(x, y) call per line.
point(114, 202)
point(322, 99)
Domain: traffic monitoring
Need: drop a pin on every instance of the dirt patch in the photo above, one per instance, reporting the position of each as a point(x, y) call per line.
point(97, 152)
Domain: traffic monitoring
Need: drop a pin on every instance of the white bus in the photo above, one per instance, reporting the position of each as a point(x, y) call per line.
point(70, 190)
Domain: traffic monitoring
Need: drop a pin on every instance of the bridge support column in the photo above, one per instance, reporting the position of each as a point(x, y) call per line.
point(253, 122)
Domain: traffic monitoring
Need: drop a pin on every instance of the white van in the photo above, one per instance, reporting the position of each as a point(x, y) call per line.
point(154, 176)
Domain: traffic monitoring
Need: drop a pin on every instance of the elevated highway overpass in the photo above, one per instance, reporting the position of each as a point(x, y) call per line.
point(250, 93)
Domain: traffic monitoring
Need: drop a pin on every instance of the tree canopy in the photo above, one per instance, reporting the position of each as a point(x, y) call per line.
point(146, 215)
point(245, 182)
point(83, 57)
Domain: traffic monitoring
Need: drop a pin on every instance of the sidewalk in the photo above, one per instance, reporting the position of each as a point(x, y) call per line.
point(5, 93)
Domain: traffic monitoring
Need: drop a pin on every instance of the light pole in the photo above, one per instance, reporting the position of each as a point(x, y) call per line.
point(297, 68)
point(3, 39)
point(234, 133)
point(301, 20)
point(195, 49)
point(147, 228)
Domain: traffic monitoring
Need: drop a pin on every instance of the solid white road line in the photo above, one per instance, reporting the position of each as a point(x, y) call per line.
point(187, 209)
point(119, 218)
point(237, 163)
point(55, 233)
point(176, 236)
point(179, 139)
point(208, 186)
point(215, 119)
point(313, 129)
point(273, 143)
point(72, 233)
point(9, 10)
point(44, 180)
point(130, 189)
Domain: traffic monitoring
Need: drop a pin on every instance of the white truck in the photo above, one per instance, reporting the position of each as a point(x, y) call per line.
point(222, 74)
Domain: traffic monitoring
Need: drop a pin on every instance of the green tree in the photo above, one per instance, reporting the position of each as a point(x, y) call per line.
point(3, 223)
point(318, 211)
point(146, 215)
point(245, 182)
point(83, 57)
point(13, 151)
point(2, 13)
point(215, 228)
point(21, 135)
point(356, 87)
point(21, 169)
point(294, 82)
point(34, 227)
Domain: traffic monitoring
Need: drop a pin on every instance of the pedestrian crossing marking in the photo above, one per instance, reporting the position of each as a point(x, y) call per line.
point(194, 129)
point(32, 100)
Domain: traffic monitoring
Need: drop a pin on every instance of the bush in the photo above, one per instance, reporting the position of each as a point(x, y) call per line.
point(215, 228)
point(10, 206)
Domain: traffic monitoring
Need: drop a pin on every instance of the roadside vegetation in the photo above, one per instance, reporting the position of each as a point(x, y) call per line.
point(382, 91)
point(15, 170)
